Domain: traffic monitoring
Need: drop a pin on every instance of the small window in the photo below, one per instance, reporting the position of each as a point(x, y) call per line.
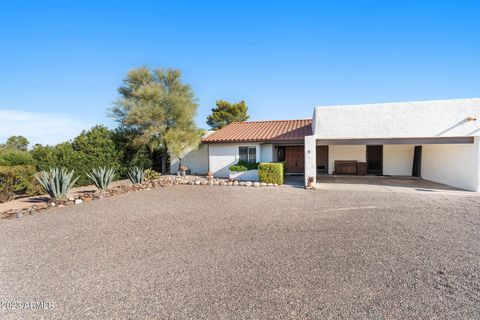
point(248, 154)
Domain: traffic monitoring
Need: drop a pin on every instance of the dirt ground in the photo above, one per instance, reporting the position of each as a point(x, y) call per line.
point(206, 252)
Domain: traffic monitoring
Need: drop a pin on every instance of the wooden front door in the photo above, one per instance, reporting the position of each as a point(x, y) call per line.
point(322, 159)
point(294, 160)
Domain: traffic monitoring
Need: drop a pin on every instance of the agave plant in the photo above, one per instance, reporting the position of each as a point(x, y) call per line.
point(136, 175)
point(57, 182)
point(102, 177)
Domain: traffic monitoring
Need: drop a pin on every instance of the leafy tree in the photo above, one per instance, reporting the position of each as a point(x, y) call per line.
point(179, 141)
point(17, 143)
point(226, 113)
point(153, 102)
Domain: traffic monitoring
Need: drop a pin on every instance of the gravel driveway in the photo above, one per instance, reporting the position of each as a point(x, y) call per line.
point(194, 252)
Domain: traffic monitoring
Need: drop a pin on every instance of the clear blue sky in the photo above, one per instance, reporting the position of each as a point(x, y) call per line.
point(61, 62)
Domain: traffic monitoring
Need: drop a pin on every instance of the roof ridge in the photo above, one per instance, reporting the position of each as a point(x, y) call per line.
point(256, 121)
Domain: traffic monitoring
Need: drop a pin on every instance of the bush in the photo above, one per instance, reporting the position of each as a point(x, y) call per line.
point(91, 149)
point(244, 166)
point(151, 174)
point(13, 157)
point(271, 172)
point(17, 180)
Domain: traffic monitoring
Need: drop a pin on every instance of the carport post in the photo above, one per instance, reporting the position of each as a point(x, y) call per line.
point(310, 158)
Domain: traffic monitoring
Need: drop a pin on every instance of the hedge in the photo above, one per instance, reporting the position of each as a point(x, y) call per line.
point(271, 172)
point(13, 157)
point(17, 180)
point(244, 166)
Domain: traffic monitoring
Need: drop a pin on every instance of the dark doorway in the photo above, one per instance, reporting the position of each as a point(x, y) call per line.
point(281, 153)
point(375, 160)
point(417, 162)
point(322, 159)
point(294, 159)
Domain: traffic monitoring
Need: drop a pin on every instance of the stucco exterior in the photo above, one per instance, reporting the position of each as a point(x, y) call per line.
point(398, 160)
point(345, 152)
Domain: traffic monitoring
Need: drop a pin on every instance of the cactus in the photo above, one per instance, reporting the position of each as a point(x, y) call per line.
point(151, 174)
point(57, 182)
point(136, 175)
point(102, 177)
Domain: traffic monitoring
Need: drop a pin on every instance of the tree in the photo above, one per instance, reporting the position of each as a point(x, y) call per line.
point(226, 113)
point(151, 103)
point(180, 141)
point(17, 143)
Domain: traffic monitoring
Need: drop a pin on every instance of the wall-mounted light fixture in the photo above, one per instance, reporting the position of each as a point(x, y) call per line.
point(470, 118)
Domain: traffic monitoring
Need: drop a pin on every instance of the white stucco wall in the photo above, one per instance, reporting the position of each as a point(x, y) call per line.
point(452, 164)
point(398, 160)
point(310, 150)
point(196, 160)
point(266, 153)
point(345, 152)
point(223, 155)
point(439, 118)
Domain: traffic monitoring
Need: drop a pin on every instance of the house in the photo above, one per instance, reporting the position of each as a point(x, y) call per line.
point(436, 140)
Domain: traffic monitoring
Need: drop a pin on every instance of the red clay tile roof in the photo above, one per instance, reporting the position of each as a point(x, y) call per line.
point(262, 131)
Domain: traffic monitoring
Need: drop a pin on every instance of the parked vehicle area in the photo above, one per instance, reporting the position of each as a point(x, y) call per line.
point(262, 253)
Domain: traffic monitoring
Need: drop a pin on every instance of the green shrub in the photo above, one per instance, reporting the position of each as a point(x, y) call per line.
point(91, 149)
point(17, 180)
point(271, 172)
point(244, 166)
point(13, 157)
point(151, 174)
point(57, 182)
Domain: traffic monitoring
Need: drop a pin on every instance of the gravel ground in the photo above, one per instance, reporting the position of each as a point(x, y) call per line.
point(188, 252)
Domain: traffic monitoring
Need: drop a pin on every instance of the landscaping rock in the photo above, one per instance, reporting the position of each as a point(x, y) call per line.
point(235, 183)
point(210, 183)
point(71, 198)
point(248, 184)
point(256, 184)
point(229, 183)
point(275, 184)
point(18, 214)
point(203, 183)
point(77, 201)
point(263, 184)
point(270, 184)
point(222, 183)
point(191, 183)
point(241, 183)
point(197, 182)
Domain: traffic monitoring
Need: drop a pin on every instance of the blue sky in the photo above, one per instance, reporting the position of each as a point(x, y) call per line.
point(61, 62)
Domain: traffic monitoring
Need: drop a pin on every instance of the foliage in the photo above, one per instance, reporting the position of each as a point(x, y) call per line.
point(226, 113)
point(19, 143)
point(136, 175)
point(91, 149)
point(14, 157)
point(180, 140)
point(102, 177)
point(16, 180)
point(57, 182)
point(244, 166)
point(151, 174)
point(271, 172)
point(153, 102)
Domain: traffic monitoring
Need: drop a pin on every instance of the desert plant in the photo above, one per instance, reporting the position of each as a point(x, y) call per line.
point(57, 182)
point(17, 180)
point(136, 175)
point(151, 174)
point(243, 166)
point(102, 177)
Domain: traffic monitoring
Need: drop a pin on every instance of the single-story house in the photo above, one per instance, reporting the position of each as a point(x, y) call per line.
point(436, 140)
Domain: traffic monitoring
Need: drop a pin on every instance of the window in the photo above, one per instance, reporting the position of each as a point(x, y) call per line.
point(248, 154)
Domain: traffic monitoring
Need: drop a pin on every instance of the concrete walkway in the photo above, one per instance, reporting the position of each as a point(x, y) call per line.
point(385, 184)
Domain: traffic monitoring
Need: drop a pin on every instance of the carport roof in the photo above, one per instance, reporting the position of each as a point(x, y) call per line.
point(262, 131)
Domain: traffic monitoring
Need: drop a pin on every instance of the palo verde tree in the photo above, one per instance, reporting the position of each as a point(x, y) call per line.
point(151, 103)
point(179, 141)
point(225, 113)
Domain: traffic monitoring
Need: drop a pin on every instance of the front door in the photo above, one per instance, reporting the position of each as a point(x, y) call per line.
point(417, 162)
point(294, 160)
point(322, 159)
point(375, 160)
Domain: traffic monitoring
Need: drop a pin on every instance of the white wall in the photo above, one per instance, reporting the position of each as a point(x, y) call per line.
point(452, 164)
point(266, 153)
point(421, 119)
point(223, 155)
point(345, 152)
point(196, 160)
point(398, 160)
